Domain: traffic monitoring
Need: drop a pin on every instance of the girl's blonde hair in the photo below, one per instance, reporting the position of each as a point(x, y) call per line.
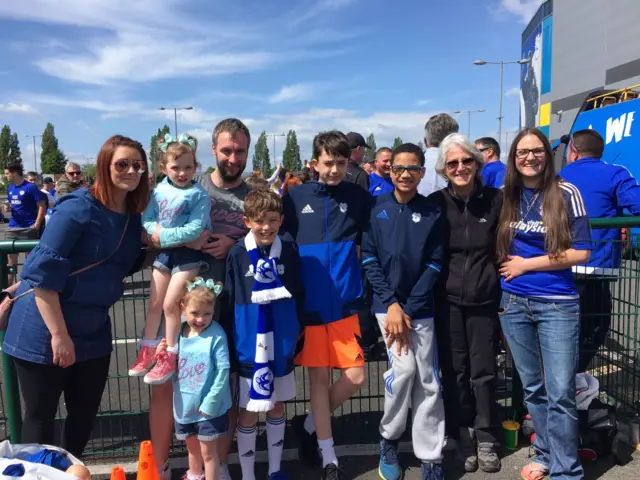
point(201, 291)
point(172, 148)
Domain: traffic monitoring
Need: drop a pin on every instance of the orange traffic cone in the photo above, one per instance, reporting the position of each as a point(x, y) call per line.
point(117, 473)
point(147, 469)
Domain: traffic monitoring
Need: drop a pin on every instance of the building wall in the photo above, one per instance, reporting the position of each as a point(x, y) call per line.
point(593, 45)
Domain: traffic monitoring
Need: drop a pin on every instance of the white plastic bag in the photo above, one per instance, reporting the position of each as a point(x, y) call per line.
point(33, 471)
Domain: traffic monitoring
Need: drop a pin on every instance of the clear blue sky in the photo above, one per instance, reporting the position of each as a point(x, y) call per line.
point(99, 67)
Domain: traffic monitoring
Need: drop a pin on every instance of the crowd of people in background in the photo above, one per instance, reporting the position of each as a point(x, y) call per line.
point(444, 253)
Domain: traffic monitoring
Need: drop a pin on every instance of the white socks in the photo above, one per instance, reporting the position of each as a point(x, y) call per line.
point(247, 446)
point(309, 425)
point(247, 451)
point(328, 453)
point(275, 442)
point(326, 446)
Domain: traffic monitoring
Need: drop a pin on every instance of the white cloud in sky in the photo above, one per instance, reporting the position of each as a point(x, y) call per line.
point(307, 123)
point(293, 93)
point(83, 103)
point(156, 40)
point(513, 92)
point(18, 108)
point(525, 9)
point(318, 8)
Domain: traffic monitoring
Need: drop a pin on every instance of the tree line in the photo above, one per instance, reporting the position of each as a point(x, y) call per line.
point(52, 158)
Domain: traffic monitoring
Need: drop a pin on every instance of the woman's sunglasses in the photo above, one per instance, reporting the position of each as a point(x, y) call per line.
point(465, 162)
point(122, 166)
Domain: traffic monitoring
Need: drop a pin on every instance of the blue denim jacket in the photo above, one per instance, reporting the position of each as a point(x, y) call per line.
point(80, 232)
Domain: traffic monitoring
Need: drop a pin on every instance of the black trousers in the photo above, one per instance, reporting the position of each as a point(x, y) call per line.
point(595, 317)
point(41, 387)
point(466, 348)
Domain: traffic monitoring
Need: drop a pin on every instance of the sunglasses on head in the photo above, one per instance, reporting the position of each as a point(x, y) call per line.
point(465, 162)
point(123, 166)
point(400, 169)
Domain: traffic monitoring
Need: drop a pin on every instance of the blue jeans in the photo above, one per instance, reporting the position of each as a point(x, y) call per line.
point(544, 338)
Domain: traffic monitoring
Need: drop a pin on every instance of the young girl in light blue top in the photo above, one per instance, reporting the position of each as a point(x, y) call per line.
point(201, 392)
point(177, 214)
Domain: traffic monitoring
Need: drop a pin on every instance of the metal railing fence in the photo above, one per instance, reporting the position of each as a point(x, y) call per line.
point(122, 421)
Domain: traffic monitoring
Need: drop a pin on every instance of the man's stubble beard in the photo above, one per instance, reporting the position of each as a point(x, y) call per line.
point(226, 176)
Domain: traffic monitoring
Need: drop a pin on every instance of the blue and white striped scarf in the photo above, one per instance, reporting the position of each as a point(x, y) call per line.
point(266, 289)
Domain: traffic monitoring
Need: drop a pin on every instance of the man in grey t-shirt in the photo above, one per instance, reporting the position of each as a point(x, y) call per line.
point(227, 191)
point(227, 226)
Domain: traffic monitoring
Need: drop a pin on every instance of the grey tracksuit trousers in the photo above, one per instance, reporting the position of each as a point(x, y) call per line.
point(412, 381)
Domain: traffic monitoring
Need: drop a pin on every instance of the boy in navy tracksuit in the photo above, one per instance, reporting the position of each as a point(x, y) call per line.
point(326, 218)
point(607, 190)
point(264, 293)
point(402, 253)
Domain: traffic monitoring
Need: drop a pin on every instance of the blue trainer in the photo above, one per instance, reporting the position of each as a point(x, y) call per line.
point(431, 471)
point(277, 476)
point(389, 468)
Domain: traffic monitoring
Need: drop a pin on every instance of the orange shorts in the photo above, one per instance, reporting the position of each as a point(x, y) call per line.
point(334, 345)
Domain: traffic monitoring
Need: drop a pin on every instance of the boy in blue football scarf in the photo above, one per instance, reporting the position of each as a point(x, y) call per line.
point(264, 287)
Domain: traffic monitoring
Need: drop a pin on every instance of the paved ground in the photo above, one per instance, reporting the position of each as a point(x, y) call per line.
point(366, 468)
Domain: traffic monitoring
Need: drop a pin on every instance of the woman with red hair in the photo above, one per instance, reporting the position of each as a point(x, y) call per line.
point(59, 332)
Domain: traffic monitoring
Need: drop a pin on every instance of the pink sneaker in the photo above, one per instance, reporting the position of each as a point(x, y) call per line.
point(143, 363)
point(163, 370)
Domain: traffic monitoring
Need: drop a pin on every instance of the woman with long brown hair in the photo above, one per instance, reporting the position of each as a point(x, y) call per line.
point(543, 232)
point(59, 333)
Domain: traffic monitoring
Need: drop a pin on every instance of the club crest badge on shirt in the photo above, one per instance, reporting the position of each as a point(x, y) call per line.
point(416, 217)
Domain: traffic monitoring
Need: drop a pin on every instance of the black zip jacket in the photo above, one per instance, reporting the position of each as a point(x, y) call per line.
point(469, 275)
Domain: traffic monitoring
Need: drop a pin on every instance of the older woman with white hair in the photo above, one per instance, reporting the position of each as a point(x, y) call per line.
point(467, 299)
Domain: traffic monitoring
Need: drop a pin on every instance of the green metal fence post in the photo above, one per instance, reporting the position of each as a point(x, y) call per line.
point(10, 379)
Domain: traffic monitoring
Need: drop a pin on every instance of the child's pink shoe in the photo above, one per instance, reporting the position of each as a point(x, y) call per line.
point(144, 362)
point(163, 370)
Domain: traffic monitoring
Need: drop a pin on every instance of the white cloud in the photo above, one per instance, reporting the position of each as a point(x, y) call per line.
point(83, 103)
point(384, 125)
point(83, 125)
point(525, 9)
point(422, 103)
point(293, 93)
point(156, 40)
point(18, 108)
point(319, 7)
point(512, 92)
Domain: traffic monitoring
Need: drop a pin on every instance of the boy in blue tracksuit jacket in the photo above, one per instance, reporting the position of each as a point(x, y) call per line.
point(402, 254)
point(265, 330)
point(326, 219)
point(607, 190)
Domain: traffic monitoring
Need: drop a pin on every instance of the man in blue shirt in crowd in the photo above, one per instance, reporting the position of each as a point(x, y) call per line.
point(27, 206)
point(607, 191)
point(380, 179)
point(494, 170)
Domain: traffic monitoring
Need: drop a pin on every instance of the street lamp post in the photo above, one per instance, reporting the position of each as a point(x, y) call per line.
point(274, 135)
point(469, 112)
point(175, 115)
point(522, 61)
point(35, 158)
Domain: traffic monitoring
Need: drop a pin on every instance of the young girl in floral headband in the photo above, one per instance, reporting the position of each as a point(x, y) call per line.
point(201, 393)
point(177, 214)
